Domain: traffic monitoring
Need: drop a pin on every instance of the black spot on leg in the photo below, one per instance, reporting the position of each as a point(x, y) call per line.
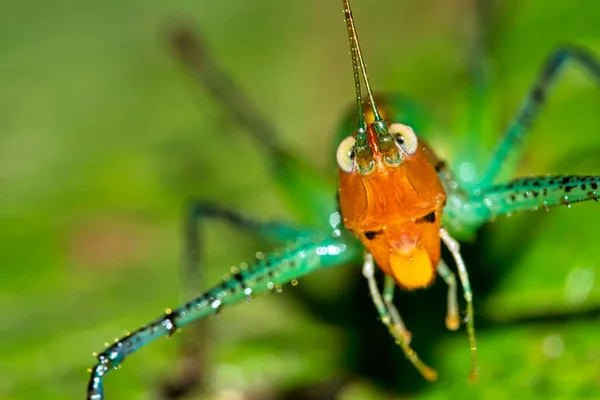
point(594, 185)
point(583, 186)
point(169, 323)
point(440, 166)
point(568, 188)
point(239, 279)
point(538, 95)
point(513, 197)
point(566, 180)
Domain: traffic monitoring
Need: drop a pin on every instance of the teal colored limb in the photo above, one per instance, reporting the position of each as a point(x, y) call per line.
point(199, 211)
point(386, 318)
point(533, 193)
point(268, 272)
point(192, 363)
point(464, 213)
point(511, 142)
point(204, 210)
point(305, 191)
point(463, 275)
point(452, 318)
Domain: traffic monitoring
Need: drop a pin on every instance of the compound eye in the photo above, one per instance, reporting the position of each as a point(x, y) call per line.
point(346, 155)
point(405, 138)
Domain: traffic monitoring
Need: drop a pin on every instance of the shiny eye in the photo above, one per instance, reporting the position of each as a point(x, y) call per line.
point(405, 138)
point(345, 154)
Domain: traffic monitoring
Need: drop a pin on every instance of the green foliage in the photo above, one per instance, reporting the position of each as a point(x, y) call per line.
point(104, 138)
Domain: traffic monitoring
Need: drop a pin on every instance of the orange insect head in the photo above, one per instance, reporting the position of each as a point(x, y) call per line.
point(395, 210)
point(390, 195)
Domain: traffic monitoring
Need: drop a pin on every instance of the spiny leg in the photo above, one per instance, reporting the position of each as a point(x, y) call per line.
point(204, 210)
point(369, 273)
point(541, 192)
point(302, 258)
point(528, 193)
point(452, 318)
point(389, 286)
point(510, 143)
point(454, 249)
point(194, 341)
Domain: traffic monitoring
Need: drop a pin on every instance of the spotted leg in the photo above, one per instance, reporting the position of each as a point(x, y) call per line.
point(305, 256)
point(534, 193)
point(531, 193)
point(510, 143)
point(384, 313)
point(452, 318)
point(193, 343)
point(454, 249)
point(464, 212)
point(204, 210)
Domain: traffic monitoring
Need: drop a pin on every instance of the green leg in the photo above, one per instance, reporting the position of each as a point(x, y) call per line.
point(384, 313)
point(511, 143)
point(452, 318)
point(464, 212)
point(454, 249)
point(305, 256)
point(389, 286)
point(199, 211)
point(533, 193)
point(530, 193)
point(305, 191)
point(194, 341)
point(467, 213)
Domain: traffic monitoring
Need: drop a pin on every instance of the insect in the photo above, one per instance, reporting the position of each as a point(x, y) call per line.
point(398, 203)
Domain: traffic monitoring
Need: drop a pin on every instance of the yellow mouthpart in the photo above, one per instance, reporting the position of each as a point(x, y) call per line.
point(414, 270)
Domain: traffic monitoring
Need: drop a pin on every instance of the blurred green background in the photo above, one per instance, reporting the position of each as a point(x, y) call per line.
point(104, 137)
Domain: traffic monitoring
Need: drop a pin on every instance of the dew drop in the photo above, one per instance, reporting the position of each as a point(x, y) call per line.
point(553, 346)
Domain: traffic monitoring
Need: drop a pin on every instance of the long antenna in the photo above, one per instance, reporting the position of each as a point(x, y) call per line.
point(357, 55)
point(361, 132)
